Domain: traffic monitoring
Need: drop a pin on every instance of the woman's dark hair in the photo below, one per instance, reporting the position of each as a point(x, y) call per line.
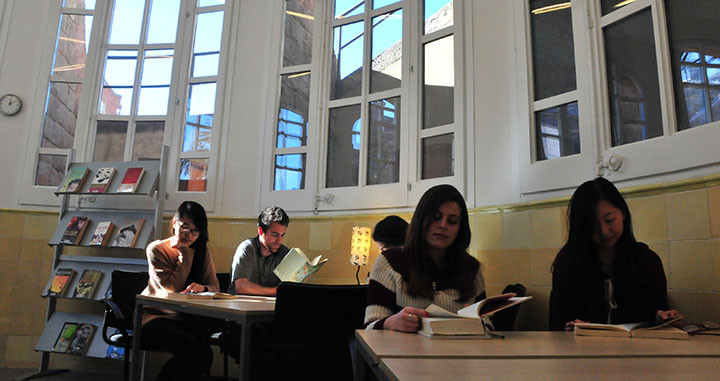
point(458, 269)
point(391, 231)
point(582, 221)
point(196, 213)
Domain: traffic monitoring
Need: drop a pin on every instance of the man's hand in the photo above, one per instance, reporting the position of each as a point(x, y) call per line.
point(195, 288)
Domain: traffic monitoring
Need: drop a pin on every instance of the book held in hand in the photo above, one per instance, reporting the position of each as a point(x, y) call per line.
point(296, 267)
point(82, 339)
point(74, 232)
point(60, 282)
point(650, 329)
point(102, 233)
point(131, 180)
point(89, 280)
point(65, 337)
point(467, 321)
point(73, 180)
point(127, 234)
point(102, 179)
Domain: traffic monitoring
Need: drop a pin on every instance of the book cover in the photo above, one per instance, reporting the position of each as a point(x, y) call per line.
point(296, 267)
point(74, 232)
point(102, 233)
point(60, 282)
point(468, 320)
point(114, 352)
point(650, 329)
point(73, 180)
point(102, 179)
point(82, 339)
point(127, 234)
point(132, 179)
point(65, 337)
point(89, 280)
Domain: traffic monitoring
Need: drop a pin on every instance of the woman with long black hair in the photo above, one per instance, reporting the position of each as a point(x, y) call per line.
point(433, 266)
point(602, 274)
point(181, 263)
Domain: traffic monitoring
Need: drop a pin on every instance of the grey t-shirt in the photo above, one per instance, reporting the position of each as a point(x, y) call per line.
point(250, 264)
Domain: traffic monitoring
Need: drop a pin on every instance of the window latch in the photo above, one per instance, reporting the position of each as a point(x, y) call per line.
point(614, 164)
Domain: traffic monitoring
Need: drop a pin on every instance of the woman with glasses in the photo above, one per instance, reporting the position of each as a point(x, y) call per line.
point(181, 263)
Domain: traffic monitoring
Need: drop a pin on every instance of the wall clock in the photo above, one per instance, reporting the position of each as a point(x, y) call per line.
point(10, 104)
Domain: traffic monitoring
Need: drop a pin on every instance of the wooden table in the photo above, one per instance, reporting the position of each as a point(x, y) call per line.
point(374, 346)
point(246, 310)
point(649, 368)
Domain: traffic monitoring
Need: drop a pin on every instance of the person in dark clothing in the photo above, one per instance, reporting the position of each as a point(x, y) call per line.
point(390, 232)
point(602, 274)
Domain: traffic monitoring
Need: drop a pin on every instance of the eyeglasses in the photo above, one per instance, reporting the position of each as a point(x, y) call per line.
point(186, 230)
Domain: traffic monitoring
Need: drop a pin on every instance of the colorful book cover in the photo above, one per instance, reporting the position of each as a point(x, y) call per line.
point(60, 281)
point(73, 179)
point(114, 352)
point(102, 233)
point(131, 180)
point(82, 339)
point(65, 338)
point(74, 232)
point(89, 280)
point(102, 179)
point(127, 234)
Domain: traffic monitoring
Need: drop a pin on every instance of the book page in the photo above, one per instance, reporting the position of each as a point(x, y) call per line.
point(436, 311)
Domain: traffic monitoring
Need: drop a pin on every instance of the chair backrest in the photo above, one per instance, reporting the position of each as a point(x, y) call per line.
point(124, 286)
point(315, 314)
point(224, 281)
point(505, 319)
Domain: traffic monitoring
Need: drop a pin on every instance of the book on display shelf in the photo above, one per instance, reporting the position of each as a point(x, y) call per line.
point(74, 231)
point(82, 339)
point(61, 280)
point(127, 234)
point(102, 179)
point(87, 284)
point(73, 180)
point(131, 180)
point(646, 330)
point(65, 337)
point(102, 233)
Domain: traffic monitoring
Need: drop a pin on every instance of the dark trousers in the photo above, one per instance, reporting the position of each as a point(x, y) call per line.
point(186, 340)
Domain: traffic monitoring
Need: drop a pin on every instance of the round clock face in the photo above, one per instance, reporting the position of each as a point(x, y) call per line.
point(10, 104)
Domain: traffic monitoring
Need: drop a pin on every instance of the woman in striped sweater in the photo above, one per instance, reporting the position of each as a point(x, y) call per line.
point(433, 267)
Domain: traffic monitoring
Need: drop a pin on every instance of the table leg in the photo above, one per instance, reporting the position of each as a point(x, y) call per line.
point(136, 359)
point(245, 339)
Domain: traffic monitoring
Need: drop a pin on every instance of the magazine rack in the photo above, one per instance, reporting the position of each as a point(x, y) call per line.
point(107, 206)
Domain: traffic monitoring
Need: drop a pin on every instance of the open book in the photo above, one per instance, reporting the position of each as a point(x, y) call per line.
point(467, 321)
point(649, 329)
point(296, 267)
point(201, 295)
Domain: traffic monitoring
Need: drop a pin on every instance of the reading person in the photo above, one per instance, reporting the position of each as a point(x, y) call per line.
point(602, 274)
point(256, 258)
point(181, 263)
point(390, 232)
point(433, 267)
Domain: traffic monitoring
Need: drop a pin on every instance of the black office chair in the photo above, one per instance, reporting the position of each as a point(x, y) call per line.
point(505, 319)
point(119, 307)
point(314, 322)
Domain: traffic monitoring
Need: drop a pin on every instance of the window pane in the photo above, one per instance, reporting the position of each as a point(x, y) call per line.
point(695, 55)
point(126, 22)
point(297, 44)
point(553, 52)
point(118, 82)
point(82, 4)
point(72, 45)
point(61, 115)
point(437, 156)
point(632, 79)
point(289, 172)
point(193, 175)
point(611, 5)
point(293, 113)
point(347, 8)
point(439, 83)
point(110, 140)
point(199, 120)
point(438, 14)
point(208, 38)
point(148, 140)
point(207, 3)
point(381, 3)
point(346, 71)
point(162, 26)
point(386, 52)
point(384, 142)
point(557, 132)
point(155, 82)
point(50, 170)
point(343, 155)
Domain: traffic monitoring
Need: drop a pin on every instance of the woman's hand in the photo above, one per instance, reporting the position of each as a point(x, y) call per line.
point(195, 288)
point(569, 326)
point(407, 320)
point(661, 316)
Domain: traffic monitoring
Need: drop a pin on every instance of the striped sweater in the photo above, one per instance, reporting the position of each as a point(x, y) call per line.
point(387, 295)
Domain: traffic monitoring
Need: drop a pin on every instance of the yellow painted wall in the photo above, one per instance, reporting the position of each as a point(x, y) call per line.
point(514, 243)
